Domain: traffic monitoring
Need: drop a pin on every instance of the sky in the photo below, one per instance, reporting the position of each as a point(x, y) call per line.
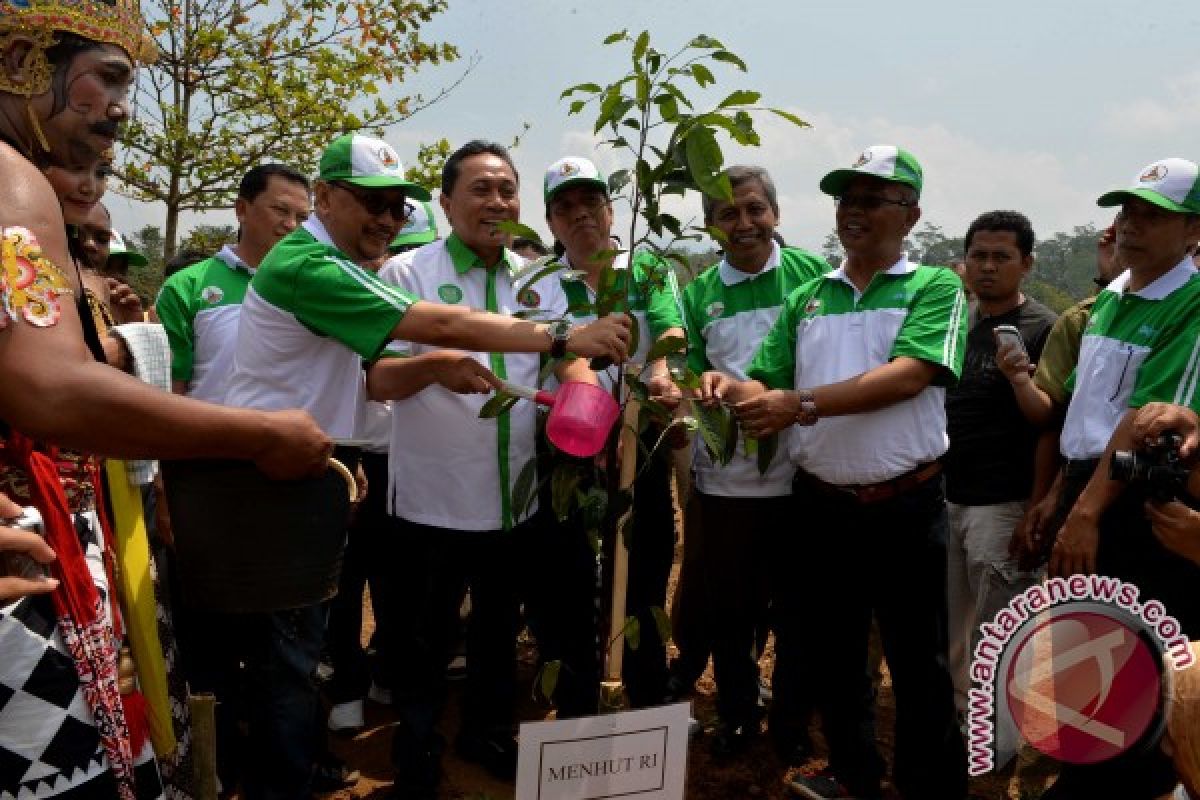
point(1038, 106)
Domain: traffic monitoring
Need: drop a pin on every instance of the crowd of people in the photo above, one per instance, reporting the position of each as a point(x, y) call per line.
point(919, 444)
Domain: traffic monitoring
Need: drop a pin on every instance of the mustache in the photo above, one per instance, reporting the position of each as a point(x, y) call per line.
point(109, 128)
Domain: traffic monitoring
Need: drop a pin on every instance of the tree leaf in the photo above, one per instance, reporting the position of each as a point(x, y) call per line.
point(790, 117)
point(639, 47)
point(613, 38)
point(703, 75)
point(524, 489)
point(705, 42)
point(548, 678)
point(665, 346)
point(591, 88)
point(766, 452)
point(729, 58)
point(563, 482)
point(514, 228)
point(662, 622)
point(500, 403)
point(717, 234)
point(731, 439)
point(741, 97)
point(713, 426)
point(668, 106)
point(632, 632)
point(618, 180)
point(705, 161)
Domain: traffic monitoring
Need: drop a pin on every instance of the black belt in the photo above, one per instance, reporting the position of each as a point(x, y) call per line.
point(1080, 467)
point(868, 493)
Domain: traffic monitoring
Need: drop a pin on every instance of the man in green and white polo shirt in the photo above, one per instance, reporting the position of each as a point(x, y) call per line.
point(453, 474)
point(858, 361)
point(580, 216)
point(733, 535)
point(1141, 345)
point(199, 305)
point(311, 317)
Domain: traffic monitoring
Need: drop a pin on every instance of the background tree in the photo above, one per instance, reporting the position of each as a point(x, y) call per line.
point(239, 82)
point(210, 238)
point(831, 249)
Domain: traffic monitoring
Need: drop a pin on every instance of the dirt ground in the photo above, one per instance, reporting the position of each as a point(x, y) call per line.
point(757, 774)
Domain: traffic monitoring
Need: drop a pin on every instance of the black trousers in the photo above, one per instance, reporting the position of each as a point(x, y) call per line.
point(493, 564)
point(651, 553)
point(371, 557)
point(886, 559)
point(740, 555)
point(1129, 550)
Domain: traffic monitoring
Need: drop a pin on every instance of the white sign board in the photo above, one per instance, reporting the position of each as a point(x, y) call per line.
point(635, 754)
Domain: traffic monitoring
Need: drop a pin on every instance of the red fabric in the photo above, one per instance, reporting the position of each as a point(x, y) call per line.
point(80, 612)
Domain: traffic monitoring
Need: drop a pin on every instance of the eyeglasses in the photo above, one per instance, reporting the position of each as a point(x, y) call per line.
point(564, 207)
point(375, 203)
point(868, 202)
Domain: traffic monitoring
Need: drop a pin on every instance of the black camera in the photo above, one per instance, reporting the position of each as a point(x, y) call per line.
point(1157, 469)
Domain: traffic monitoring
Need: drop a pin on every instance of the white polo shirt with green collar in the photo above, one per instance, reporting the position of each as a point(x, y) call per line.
point(1138, 347)
point(653, 309)
point(449, 468)
point(829, 332)
point(310, 318)
point(199, 307)
point(728, 313)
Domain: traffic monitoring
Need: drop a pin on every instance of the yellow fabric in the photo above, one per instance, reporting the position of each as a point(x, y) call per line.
point(137, 594)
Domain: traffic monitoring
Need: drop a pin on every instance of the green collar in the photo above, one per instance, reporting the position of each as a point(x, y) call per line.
point(464, 258)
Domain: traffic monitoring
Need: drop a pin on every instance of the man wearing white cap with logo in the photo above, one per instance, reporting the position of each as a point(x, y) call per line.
point(1141, 345)
point(311, 317)
point(858, 362)
point(420, 229)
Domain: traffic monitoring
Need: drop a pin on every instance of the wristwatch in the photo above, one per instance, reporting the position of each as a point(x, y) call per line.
point(558, 331)
point(807, 415)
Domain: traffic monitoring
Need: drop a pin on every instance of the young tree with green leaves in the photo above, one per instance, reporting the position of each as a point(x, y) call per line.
point(240, 82)
point(654, 117)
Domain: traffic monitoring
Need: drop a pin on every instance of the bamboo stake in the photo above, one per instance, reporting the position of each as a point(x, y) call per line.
point(612, 688)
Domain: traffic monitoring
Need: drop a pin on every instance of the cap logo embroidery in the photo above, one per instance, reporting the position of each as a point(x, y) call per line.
point(568, 169)
point(812, 305)
point(715, 309)
point(388, 158)
point(862, 159)
point(1154, 174)
point(212, 295)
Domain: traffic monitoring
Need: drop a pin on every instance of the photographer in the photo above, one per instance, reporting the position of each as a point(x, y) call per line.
point(1140, 347)
point(1176, 525)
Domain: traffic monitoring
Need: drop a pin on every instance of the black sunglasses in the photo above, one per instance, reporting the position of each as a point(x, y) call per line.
point(375, 203)
point(868, 202)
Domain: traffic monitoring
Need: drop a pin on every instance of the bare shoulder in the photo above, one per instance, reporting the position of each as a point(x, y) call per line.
point(30, 204)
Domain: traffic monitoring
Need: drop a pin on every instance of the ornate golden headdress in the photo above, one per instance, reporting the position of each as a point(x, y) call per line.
point(118, 22)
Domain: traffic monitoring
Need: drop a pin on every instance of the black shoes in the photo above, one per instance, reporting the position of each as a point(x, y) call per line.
point(495, 752)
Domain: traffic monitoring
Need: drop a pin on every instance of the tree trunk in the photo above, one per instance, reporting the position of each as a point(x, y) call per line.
point(171, 228)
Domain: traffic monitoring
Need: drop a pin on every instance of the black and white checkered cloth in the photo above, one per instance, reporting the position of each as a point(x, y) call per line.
point(48, 740)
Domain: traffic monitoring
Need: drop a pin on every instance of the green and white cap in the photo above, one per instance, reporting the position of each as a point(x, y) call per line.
point(367, 162)
point(571, 171)
point(118, 249)
point(1172, 183)
point(421, 228)
point(881, 160)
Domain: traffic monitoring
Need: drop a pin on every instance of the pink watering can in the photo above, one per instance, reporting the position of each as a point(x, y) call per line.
point(581, 415)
